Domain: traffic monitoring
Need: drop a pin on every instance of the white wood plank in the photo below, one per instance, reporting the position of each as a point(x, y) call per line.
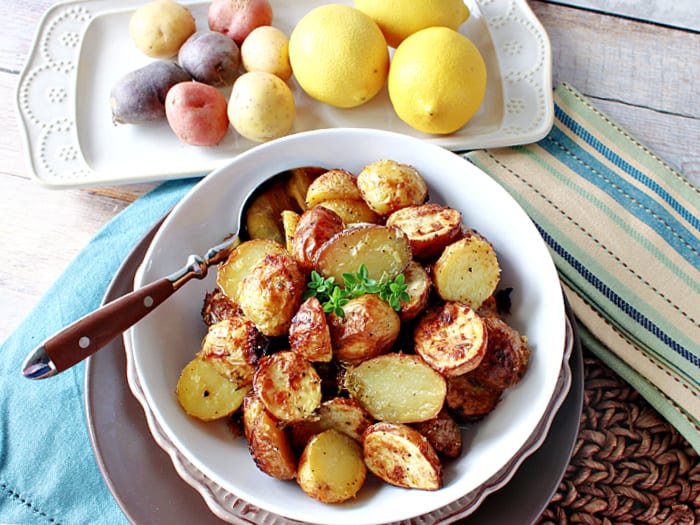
point(684, 14)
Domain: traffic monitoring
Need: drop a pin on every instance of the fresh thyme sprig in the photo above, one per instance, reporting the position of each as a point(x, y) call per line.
point(334, 296)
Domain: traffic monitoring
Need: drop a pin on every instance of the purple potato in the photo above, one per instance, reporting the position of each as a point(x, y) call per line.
point(210, 57)
point(139, 96)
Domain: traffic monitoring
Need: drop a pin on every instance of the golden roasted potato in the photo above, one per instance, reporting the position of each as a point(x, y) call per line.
point(206, 394)
point(467, 271)
point(234, 269)
point(316, 226)
point(298, 184)
point(352, 211)
point(290, 220)
point(418, 285)
point(264, 217)
point(217, 307)
point(331, 467)
point(452, 338)
point(383, 249)
point(469, 401)
point(402, 456)
point(309, 335)
point(397, 387)
point(506, 356)
point(288, 386)
point(341, 413)
point(271, 293)
point(268, 441)
point(443, 434)
point(368, 328)
point(429, 227)
point(387, 186)
point(333, 184)
point(233, 347)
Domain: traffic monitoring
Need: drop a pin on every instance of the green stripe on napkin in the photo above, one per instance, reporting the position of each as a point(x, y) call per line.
point(624, 231)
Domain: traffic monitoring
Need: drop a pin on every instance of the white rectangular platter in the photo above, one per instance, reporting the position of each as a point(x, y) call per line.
point(83, 47)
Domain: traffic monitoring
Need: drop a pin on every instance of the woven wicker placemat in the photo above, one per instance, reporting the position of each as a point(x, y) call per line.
point(629, 465)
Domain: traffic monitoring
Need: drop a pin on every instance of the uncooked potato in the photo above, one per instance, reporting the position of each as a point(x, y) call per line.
point(210, 57)
point(196, 113)
point(267, 49)
point(237, 18)
point(261, 106)
point(160, 27)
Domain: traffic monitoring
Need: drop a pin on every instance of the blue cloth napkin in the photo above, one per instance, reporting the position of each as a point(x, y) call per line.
point(48, 472)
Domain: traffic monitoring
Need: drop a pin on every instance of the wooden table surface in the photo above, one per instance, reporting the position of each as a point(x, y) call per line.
point(644, 74)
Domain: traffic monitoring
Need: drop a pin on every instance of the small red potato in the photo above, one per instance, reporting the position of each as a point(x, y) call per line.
point(210, 57)
point(237, 18)
point(196, 113)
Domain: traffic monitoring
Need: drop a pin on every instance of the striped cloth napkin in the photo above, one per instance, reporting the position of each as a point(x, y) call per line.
point(623, 228)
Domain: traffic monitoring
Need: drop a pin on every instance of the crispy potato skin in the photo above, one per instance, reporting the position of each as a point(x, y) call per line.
point(268, 441)
point(309, 335)
point(452, 338)
point(316, 226)
point(370, 328)
point(443, 433)
point(288, 386)
point(331, 185)
point(331, 467)
point(233, 346)
point(387, 186)
point(429, 227)
point(419, 285)
point(271, 293)
point(236, 267)
point(506, 357)
point(469, 401)
point(402, 456)
point(217, 307)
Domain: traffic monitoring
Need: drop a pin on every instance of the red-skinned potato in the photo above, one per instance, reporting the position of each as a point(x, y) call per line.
point(196, 113)
point(237, 18)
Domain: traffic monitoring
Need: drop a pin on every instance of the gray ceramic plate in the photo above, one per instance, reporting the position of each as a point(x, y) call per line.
point(148, 489)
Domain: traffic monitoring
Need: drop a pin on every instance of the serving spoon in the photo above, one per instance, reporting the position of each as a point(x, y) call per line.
point(88, 334)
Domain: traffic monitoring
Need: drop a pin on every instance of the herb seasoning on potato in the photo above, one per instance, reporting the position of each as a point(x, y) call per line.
point(396, 317)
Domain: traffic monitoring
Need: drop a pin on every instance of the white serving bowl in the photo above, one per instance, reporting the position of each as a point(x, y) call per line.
point(167, 339)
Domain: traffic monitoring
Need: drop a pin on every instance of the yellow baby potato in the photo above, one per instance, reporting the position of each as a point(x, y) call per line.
point(160, 27)
point(266, 48)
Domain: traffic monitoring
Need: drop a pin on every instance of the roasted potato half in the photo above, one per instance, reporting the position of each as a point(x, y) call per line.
point(268, 441)
point(309, 335)
point(233, 347)
point(429, 227)
point(206, 394)
point(443, 434)
point(271, 292)
point(331, 185)
point(368, 328)
point(468, 400)
point(244, 257)
point(402, 456)
point(383, 249)
point(397, 387)
point(217, 307)
point(341, 413)
point(387, 186)
point(331, 467)
point(506, 356)
point(288, 386)
point(467, 271)
point(290, 221)
point(452, 338)
point(316, 226)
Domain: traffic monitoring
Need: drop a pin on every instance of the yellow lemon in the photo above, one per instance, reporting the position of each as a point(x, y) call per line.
point(437, 80)
point(399, 19)
point(338, 55)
